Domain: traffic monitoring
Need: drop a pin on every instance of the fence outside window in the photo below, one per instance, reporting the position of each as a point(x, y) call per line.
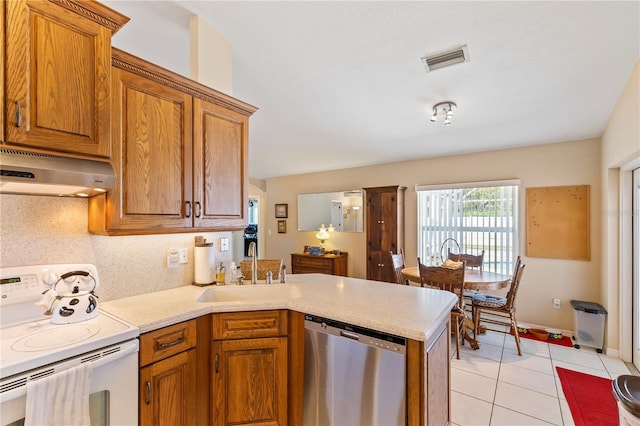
point(479, 216)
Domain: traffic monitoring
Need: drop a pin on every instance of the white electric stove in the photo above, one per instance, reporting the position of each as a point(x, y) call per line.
point(32, 346)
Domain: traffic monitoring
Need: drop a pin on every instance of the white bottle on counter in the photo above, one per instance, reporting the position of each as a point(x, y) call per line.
point(232, 273)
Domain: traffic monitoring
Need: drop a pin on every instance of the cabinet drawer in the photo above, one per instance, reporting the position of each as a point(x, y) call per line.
point(242, 325)
point(308, 270)
point(309, 262)
point(167, 341)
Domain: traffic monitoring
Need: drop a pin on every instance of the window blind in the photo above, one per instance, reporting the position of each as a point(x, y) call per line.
point(479, 217)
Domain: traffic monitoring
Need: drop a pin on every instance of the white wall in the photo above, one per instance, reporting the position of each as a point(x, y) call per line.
point(40, 230)
point(157, 32)
point(570, 163)
point(620, 147)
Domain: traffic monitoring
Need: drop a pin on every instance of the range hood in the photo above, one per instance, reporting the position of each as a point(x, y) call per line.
point(43, 174)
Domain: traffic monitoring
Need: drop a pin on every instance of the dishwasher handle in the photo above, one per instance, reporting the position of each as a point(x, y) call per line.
point(349, 335)
point(369, 337)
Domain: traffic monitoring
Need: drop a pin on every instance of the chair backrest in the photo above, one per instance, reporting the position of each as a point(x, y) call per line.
point(264, 265)
point(396, 265)
point(443, 278)
point(518, 270)
point(472, 261)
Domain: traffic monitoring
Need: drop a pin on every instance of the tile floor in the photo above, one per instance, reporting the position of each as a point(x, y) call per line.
point(495, 386)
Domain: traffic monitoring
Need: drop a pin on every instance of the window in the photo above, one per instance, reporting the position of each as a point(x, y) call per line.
point(479, 216)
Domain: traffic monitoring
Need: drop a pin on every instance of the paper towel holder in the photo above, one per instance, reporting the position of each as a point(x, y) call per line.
point(201, 243)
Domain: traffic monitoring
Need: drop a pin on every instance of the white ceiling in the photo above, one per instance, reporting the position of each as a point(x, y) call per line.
point(341, 84)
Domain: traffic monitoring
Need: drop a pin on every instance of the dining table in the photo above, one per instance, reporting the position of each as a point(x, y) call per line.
point(475, 280)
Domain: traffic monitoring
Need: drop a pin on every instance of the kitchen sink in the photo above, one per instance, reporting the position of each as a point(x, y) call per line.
point(248, 292)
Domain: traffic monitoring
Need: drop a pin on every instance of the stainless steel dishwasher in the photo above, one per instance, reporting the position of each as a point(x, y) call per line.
point(352, 375)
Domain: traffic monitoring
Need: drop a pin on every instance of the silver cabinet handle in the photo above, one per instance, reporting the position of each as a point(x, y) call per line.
point(198, 209)
point(188, 208)
point(18, 114)
point(149, 394)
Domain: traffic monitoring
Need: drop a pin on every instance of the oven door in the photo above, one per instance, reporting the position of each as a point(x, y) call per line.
point(114, 387)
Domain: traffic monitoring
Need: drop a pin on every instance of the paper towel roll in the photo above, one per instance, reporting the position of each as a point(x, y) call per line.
point(203, 263)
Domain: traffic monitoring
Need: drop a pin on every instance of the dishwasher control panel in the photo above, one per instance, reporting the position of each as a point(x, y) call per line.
point(367, 336)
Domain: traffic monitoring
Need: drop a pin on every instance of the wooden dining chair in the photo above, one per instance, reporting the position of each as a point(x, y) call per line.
point(471, 260)
point(499, 310)
point(395, 266)
point(449, 280)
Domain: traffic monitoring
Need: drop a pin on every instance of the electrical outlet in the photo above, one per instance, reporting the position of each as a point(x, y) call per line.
point(556, 303)
point(224, 244)
point(177, 256)
point(183, 253)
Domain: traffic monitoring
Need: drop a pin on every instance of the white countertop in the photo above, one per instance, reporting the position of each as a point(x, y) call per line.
point(407, 311)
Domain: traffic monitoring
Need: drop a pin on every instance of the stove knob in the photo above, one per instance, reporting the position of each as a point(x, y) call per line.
point(49, 278)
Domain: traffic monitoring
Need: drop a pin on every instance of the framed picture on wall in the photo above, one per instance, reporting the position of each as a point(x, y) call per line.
point(282, 227)
point(282, 211)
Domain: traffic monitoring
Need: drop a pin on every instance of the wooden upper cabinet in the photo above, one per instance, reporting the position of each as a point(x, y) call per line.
point(151, 145)
point(219, 165)
point(58, 70)
point(179, 151)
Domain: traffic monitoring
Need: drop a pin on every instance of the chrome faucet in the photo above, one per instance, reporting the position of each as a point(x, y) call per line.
point(254, 262)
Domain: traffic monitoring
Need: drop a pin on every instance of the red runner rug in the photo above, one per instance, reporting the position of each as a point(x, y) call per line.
point(590, 398)
point(565, 341)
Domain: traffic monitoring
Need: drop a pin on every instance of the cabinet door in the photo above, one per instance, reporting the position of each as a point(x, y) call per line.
point(168, 391)
point(388, 226)
point(383, 229)
point(374, 265)
point(250, 381)
point(374, 212)
point(219, 166)
point(58, 67)
point(152, 156)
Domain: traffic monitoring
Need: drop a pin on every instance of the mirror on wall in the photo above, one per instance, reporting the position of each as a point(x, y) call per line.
point(343, 209)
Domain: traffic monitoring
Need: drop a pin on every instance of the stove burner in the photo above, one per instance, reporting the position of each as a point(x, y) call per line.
point(55, 337)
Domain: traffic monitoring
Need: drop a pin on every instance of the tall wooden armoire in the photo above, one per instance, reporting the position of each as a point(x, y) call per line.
point(385, 228)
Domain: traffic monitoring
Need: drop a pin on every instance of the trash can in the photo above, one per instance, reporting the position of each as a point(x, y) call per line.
point(589, 324)
point(626, 390)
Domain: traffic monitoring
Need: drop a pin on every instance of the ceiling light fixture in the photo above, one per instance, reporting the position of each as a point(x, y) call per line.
point(445, 109)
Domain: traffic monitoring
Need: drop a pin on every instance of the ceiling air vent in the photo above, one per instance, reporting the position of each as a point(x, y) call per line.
point(446, 59)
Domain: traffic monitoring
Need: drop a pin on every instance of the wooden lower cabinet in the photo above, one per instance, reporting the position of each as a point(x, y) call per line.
point(428, 380)
point(168, 391)
point(173, 377)
point(250, 381)
point(330, 264)
point(249, 368)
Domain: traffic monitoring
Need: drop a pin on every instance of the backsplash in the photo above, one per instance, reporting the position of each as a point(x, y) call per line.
point(41, 230)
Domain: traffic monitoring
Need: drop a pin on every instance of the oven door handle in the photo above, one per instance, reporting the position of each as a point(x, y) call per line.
point(126, 348)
